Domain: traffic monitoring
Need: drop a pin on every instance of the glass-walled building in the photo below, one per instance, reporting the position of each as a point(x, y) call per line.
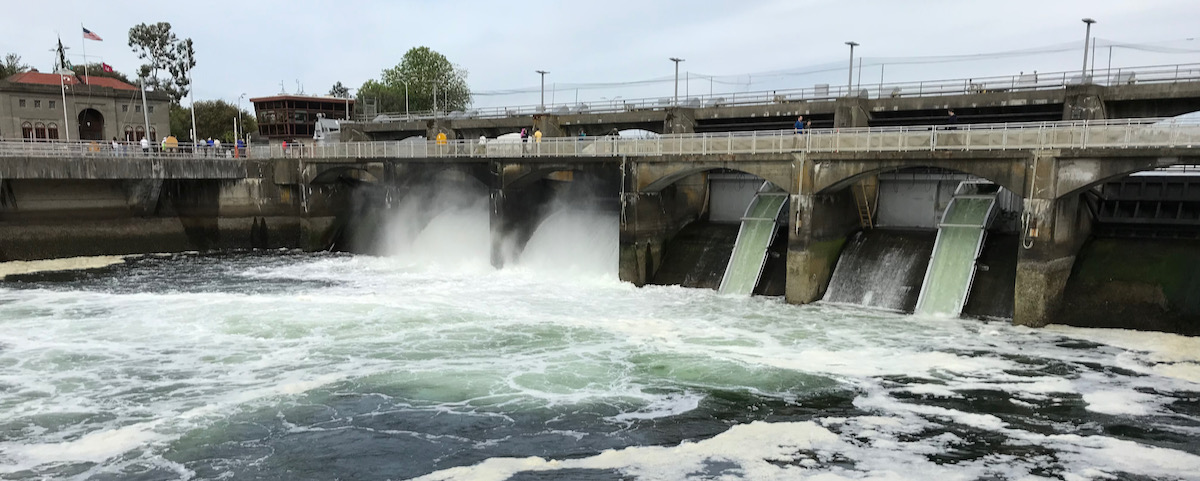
point(294, 117)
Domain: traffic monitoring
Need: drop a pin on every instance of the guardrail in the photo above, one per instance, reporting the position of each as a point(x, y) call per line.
point(1127, 133)
point(1035, 135)
point(1006, 83)
point(97, 148)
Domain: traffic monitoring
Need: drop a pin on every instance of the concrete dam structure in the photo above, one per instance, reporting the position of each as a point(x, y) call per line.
point(68, 199)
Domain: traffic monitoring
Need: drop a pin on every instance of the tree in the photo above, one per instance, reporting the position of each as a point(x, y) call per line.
point(12, 65)
point(422, 69)
point(214, 118)
point(340, 91)
point(97, 70)
point(164, 52)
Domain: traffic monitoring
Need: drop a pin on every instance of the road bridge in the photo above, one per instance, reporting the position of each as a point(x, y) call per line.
point(659, 182)
point(1155, 91)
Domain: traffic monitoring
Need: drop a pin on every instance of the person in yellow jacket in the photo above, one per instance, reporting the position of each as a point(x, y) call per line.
point(441, 138)
point(537, 136)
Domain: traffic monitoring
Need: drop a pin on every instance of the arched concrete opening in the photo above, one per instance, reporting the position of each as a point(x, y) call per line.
point(681, 228)
point(91, 125)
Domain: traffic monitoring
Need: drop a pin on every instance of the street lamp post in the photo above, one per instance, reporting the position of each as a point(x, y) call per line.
point(850, 77)
point(1087, 38)
point(62, 83)
point(405, 82)
point(676, 60)
point(543, 73)
point(237, 132)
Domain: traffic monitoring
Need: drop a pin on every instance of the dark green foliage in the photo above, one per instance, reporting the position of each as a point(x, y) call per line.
point(422, 69)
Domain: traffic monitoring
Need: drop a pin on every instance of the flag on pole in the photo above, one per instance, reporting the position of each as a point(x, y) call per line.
point(90, 35)
point(106, 67)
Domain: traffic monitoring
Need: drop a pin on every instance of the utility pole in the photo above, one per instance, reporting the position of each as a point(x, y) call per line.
point(676, 60)
point(850, 77)
point(543, 74)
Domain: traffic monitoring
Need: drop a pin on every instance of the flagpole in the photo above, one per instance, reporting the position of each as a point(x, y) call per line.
point(83, 42)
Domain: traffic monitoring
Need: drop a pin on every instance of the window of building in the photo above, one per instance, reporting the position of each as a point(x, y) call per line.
point(39, 130)
point(52, 131)
point(37, 104)
point(153, 134)
point(21, 102)
point(137, 108)
point(151, 109)
point(124, 108)
point(139, 133)
point(26, 130)
point(51, 104)
point(128, 133)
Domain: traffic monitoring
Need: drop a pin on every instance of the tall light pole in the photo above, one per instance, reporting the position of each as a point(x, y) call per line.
point(543, 73)
point(1087, 38)
point(237, 133)
point(405, 82)
point(676, 60)
point(62, 83)
point(850, 77)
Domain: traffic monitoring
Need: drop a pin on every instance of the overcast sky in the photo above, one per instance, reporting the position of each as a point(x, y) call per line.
point(251, 46)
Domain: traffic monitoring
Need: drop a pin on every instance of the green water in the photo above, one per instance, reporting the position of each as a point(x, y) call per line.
point(745, 264)
point(953, 262)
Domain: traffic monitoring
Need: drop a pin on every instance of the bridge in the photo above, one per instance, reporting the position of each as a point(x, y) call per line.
point(1151, 91)
point(657, 183)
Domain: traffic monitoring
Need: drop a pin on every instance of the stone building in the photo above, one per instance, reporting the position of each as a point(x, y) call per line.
point(97, 108)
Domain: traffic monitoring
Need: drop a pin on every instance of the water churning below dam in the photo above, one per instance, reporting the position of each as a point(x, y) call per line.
point(428, 363)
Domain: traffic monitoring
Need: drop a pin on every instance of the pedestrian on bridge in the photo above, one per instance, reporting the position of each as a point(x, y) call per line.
point(800, 125)
point(145, 146)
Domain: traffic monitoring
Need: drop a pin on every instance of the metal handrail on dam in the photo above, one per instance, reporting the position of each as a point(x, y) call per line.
point(935, 87)
point(1126, 133)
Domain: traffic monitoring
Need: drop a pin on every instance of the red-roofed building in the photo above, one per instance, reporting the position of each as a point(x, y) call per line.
point(98, 108)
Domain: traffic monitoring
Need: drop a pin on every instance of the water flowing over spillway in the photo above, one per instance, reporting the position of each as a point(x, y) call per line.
point(750, 251)
point(952, 264)
point(286, 365)
point(881, 269)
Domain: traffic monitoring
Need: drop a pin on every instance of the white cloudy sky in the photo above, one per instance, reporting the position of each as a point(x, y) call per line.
point(250, 46)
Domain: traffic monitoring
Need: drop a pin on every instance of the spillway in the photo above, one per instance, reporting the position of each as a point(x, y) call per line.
point(959, 241)
point(754, 237)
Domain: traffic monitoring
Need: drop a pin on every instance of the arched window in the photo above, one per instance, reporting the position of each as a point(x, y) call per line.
point(140, 133)
point(129, 133)
point(153, 134)
point(27, 131)
point(39, 130)
point(52, 131)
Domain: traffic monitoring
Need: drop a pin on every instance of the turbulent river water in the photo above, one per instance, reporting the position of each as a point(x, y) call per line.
point(435, 366)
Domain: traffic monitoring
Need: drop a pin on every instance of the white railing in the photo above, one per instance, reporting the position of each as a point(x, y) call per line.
point(1006, 83)
point(99, 148)
point(1126, 133)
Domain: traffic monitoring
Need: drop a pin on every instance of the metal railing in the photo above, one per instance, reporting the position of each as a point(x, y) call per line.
point(98, 148)
point(1125, 133)
point(1005, 83)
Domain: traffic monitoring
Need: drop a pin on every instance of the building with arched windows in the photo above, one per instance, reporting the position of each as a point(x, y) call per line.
point(97, 108)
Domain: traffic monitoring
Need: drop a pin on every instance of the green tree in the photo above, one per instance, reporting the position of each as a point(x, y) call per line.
point(97, 70)
point(163, 52)
point(425, 71)
point(214, 118)
point(11, 66)
point(340, 91)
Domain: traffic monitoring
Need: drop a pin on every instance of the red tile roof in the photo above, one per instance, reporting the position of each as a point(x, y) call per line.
point(40, 78)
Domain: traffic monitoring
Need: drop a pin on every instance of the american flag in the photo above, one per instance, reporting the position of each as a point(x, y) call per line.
point(90, 35)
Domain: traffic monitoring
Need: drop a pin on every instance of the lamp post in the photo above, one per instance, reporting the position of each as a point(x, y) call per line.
point(62, 83)
point(405, 82)
point(1087, 38)
point(676, 60)
point(850, 77)
point(543, 74)
point(237, 133)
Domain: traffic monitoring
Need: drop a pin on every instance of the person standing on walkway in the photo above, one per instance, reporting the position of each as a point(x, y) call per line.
point(952, 120)
point(116, 147)
point(799, 125)
point(145, 146)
